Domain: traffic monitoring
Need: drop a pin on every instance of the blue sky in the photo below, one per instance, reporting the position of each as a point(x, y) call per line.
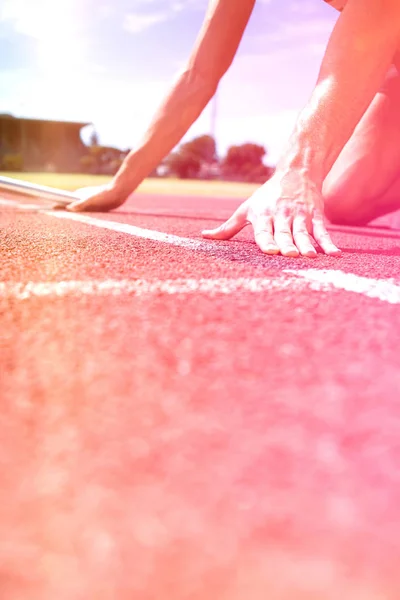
point(111, 63)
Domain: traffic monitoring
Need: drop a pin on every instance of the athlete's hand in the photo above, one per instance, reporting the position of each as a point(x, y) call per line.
point(286, 214)
point(98, 198)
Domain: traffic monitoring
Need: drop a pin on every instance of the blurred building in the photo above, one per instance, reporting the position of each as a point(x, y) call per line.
point(39, 145)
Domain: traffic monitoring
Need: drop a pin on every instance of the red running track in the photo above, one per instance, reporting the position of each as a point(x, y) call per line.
point(176, 441)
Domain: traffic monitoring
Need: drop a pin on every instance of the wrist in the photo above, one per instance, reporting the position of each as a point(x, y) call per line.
point(129, 175)
point(294, 170)
point(304, 158)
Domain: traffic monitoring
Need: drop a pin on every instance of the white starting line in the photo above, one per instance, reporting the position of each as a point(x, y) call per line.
point(141, 287)
point(148, 234)
point(386, 290)
point(311, 279)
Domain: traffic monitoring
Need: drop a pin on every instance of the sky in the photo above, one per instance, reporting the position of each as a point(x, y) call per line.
point(110, 63)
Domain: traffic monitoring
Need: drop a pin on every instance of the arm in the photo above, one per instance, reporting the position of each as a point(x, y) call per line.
point(213, 52)
point(359, 53)
point(286, 213)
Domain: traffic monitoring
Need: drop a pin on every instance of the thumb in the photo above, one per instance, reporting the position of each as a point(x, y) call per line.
point(98, 197)
point(78, 206)
point(230, 228)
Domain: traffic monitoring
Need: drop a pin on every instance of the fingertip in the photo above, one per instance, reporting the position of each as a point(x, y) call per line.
point(216, 234)
point(332, 250)
point(290, 253)
point(208, 233)
point(310, 254)
point(269, 249)
point(56, 207)
point(73, 207)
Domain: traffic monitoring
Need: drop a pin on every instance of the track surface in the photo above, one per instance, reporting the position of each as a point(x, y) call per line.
point(190, 420)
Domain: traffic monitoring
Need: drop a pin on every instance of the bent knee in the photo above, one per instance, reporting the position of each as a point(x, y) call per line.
point(347, 205)
point(338, 216)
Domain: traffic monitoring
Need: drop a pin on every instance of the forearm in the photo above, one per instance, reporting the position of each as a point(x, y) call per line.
point(183, 105)
point(356, 61)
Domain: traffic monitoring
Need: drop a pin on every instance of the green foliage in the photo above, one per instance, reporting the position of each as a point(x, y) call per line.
point(183, 165)
point(87, 163)
point(101, 160)
point(202, 148)
point(239, 159)
point(187, 161)
point(244, 163)
point(12, 162)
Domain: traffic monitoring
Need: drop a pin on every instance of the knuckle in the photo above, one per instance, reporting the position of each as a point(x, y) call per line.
point(282, 227)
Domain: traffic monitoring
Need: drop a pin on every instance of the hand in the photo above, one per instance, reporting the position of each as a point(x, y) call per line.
point(97, 198)
point(286, 214)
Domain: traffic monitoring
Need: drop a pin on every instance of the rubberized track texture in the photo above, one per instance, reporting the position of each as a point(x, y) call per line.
point(185, 419)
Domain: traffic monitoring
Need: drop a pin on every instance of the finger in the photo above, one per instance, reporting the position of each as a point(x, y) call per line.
point(94, 197)
point(284, 239)
point(57, 206)
point(230, 228)
point(264, 237)
point(323, 238)
point(100, 203)
point(78, 206)
point(302, 238)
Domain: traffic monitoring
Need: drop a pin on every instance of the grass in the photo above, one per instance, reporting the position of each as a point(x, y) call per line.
point(178, 187)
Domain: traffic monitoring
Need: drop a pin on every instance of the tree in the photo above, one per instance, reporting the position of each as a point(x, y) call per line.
point(187, 161)
point(244, 163)
point(104, 160)
point(203, 148)
point(183, 165)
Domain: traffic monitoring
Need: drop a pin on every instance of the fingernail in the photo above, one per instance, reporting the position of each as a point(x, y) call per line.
point(271, 250)
point(290, 253)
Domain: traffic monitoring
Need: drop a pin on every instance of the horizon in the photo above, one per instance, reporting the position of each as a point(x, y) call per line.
point(85, 67)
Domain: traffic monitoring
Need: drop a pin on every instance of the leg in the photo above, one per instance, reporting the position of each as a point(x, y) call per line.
point(364, 183)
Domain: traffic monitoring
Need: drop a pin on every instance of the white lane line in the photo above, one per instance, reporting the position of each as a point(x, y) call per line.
point(319, 279)
point(324, 281)
point(140, 287)
point(20, 204)
point(148, 234)
point(387, 290)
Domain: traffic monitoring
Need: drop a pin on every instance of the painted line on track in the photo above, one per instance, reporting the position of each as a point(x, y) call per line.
point(20, 204)
point(148, 234)
point(386, 290)
point(382, 289)
point(313, 280)
point(141, 287)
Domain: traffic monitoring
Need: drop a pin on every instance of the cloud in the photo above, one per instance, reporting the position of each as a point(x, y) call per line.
point(42, 19)
point(294, 33)
point(143, 14)
point(306, 7)
point(290, 39)
point(136, 22)
point(300, 29)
